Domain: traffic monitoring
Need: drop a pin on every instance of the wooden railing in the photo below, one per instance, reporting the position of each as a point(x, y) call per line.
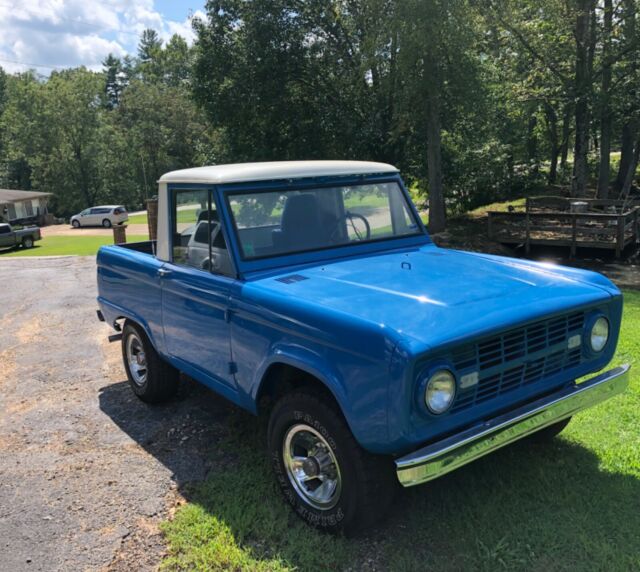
point(591, 229)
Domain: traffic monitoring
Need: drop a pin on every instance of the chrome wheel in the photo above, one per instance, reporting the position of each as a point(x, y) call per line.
point(136, 359)
point(312, 467)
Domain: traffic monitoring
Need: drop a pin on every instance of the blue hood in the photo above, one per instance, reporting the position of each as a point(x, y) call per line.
point(432, 296)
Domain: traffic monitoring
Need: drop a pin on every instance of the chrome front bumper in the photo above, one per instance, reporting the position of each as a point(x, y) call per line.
point(442, 457)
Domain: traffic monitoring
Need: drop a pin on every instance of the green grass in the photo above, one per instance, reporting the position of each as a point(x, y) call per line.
point(367, 200)
point(573, 504)
point(68, 245)
point(138, 219)
point(518, 204)
point(187, 215)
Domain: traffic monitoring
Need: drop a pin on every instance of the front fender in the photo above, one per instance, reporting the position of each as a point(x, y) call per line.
point(359, 387)
point(307, 361)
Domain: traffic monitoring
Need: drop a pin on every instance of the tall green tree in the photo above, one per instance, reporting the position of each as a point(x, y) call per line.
point(149, 64)
point(112, 69)
point(163, 131)
point(176, 62)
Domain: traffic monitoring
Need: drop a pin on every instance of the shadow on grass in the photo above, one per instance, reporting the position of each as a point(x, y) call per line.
point(527, 506)
point(17, 249)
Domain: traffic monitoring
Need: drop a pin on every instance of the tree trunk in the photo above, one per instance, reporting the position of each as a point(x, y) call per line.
point(605, 110)
point(84, 179)
point(437, 212)
point(554, 144)
point(566, 134)
point(626, 153)
point(532, 142)
point(630, 126)
point(631, 171)
point(582, 88)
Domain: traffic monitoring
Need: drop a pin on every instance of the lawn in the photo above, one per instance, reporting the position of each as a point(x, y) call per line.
point(573, 504)
point(68, 245)
point(138, 219)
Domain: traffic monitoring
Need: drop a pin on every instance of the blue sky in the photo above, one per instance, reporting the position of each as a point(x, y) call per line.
point(177, 10)
point(51, 34)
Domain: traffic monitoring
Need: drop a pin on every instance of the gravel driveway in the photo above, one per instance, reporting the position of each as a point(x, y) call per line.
point(87, 471)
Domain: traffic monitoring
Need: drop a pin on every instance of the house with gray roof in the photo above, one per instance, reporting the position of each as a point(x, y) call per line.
point(20, 207)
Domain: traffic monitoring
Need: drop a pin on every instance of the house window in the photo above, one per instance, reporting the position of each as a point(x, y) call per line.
point(12, 211)
point(28, 207)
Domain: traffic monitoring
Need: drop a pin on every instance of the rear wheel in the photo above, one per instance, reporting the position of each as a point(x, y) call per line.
point(75, 224)
point(152, 379)
point(329, 480)
point(27, 242)
point(106, 223)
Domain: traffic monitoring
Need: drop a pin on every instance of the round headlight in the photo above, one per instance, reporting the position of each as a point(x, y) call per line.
point(599, 334)
point(440, 391)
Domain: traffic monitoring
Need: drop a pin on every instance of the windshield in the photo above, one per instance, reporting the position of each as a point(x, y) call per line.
point(274, 223)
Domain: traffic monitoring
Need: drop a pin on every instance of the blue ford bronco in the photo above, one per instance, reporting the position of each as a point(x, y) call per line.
point(311, 292)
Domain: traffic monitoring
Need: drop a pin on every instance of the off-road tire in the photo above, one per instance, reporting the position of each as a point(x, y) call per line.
point(545, 435)
point(27, 242)
point(106, 223)
point(162, 379)
point(368, 482)
point(75, 224)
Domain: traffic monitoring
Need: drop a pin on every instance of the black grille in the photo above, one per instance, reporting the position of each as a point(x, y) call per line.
point(518, 357)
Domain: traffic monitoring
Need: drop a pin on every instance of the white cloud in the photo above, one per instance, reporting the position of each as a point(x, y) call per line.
point(54, 34)
point(183, 29)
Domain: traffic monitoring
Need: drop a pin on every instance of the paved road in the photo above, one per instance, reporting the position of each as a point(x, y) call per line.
point(86, 470)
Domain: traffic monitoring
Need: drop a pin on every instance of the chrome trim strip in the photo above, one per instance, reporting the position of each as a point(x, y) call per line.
point(442, 457)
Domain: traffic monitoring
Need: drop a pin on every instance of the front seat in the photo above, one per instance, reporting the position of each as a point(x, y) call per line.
point(301, 227)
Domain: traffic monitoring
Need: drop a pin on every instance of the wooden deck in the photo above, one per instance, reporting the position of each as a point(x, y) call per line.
point(548, 221)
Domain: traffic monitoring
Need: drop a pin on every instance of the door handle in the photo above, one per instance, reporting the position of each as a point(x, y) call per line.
point(163, 271)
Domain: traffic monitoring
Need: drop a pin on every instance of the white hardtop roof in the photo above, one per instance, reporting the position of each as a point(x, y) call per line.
point(277, 170)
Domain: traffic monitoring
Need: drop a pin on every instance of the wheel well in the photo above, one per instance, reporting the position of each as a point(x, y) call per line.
point(282, 378)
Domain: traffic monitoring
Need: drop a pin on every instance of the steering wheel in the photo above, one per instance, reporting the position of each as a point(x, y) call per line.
point(349, 218)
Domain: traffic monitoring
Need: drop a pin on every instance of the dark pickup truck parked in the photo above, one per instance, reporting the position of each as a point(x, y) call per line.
point(10, 238)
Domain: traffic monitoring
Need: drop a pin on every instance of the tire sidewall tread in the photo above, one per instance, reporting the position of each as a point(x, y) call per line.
point(363, 474)
point(162, 378)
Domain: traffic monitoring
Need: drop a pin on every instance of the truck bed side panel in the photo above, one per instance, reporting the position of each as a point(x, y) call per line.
point(129, 287)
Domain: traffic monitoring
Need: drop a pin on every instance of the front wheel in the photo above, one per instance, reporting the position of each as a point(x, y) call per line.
point(75, 224)
point(328, 479)
point(106, 223)
point(152, 379)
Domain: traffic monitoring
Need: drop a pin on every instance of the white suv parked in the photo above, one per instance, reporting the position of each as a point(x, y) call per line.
point(105, 216)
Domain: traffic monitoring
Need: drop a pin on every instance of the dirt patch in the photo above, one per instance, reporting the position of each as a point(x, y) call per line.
point(30, 331)
point(7, 365)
